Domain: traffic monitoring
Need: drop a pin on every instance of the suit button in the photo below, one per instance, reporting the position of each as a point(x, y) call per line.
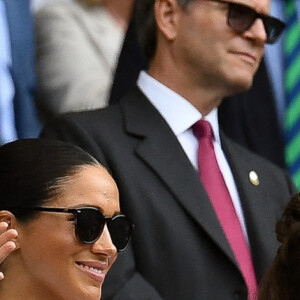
point(240, 295)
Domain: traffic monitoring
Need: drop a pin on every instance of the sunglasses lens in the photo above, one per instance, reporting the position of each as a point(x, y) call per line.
point(240, 17)
point(120, 229)
point(90, 223)
point(89, 226)
point(274, 28)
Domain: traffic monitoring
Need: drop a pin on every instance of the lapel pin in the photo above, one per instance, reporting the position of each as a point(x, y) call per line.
point(254, 178)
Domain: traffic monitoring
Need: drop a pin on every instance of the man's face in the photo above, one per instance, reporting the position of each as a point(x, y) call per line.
point(211, 53)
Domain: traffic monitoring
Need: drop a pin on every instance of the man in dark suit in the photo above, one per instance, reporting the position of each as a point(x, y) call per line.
point(179, 249)
point(21, 72)
point(255, 129)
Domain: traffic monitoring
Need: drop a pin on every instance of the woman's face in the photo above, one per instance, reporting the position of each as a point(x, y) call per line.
point(55, 261)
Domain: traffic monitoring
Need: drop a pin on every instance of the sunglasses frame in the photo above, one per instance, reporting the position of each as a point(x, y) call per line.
point(266, 19)
point(76, 212)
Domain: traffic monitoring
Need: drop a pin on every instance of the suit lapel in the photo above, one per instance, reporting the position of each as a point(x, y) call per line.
point(161, 151)
point(255, 208)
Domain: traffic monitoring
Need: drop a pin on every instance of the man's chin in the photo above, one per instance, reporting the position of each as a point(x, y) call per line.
point(240, 85)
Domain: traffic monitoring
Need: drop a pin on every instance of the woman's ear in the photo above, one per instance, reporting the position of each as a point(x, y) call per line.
point(6, 216)
point(9, 218)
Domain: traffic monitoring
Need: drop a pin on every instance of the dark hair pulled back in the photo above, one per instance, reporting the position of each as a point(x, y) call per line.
point(32, 170)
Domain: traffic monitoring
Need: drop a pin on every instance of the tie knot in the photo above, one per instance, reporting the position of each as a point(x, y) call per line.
point(202, 129)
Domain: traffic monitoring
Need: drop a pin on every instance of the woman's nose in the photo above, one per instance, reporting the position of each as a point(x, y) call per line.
point(104, 244)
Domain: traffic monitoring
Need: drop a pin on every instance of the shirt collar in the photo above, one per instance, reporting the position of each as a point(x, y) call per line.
point(179, 113)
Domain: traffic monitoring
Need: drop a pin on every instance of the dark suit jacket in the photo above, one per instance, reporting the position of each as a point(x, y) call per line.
point(249, 118)
point(178, 249)
point(23, 69)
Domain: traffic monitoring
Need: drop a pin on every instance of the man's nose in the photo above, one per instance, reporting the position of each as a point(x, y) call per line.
point(257, 31)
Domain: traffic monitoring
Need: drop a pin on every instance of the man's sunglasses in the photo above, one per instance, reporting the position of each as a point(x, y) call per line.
point(241, 17)
point(89, 224)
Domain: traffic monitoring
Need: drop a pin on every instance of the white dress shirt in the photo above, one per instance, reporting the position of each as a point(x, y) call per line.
point(7, 91)
point(181, 115)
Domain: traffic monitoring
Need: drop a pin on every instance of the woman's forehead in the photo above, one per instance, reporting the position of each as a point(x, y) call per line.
point(91, 185)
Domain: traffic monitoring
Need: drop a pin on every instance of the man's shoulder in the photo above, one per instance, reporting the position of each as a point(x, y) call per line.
point(97, 117)
point(102, 119)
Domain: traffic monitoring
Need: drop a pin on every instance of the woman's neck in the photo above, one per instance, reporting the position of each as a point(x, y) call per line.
point(18, 284)
point(15, 285)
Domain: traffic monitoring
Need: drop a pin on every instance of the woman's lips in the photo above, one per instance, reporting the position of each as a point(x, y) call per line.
point(94, 270)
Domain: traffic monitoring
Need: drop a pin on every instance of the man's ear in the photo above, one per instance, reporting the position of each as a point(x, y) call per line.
point(10, 219)
point(167, 15)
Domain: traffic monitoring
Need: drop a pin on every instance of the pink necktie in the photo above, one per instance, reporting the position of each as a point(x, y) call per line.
point(215, 186)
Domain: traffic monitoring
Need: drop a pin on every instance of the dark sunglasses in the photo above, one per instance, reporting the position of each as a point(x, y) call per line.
point(241, 17)
point(89, 224)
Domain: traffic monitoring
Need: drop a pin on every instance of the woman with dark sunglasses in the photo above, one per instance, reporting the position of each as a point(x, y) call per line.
point(60, 208)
